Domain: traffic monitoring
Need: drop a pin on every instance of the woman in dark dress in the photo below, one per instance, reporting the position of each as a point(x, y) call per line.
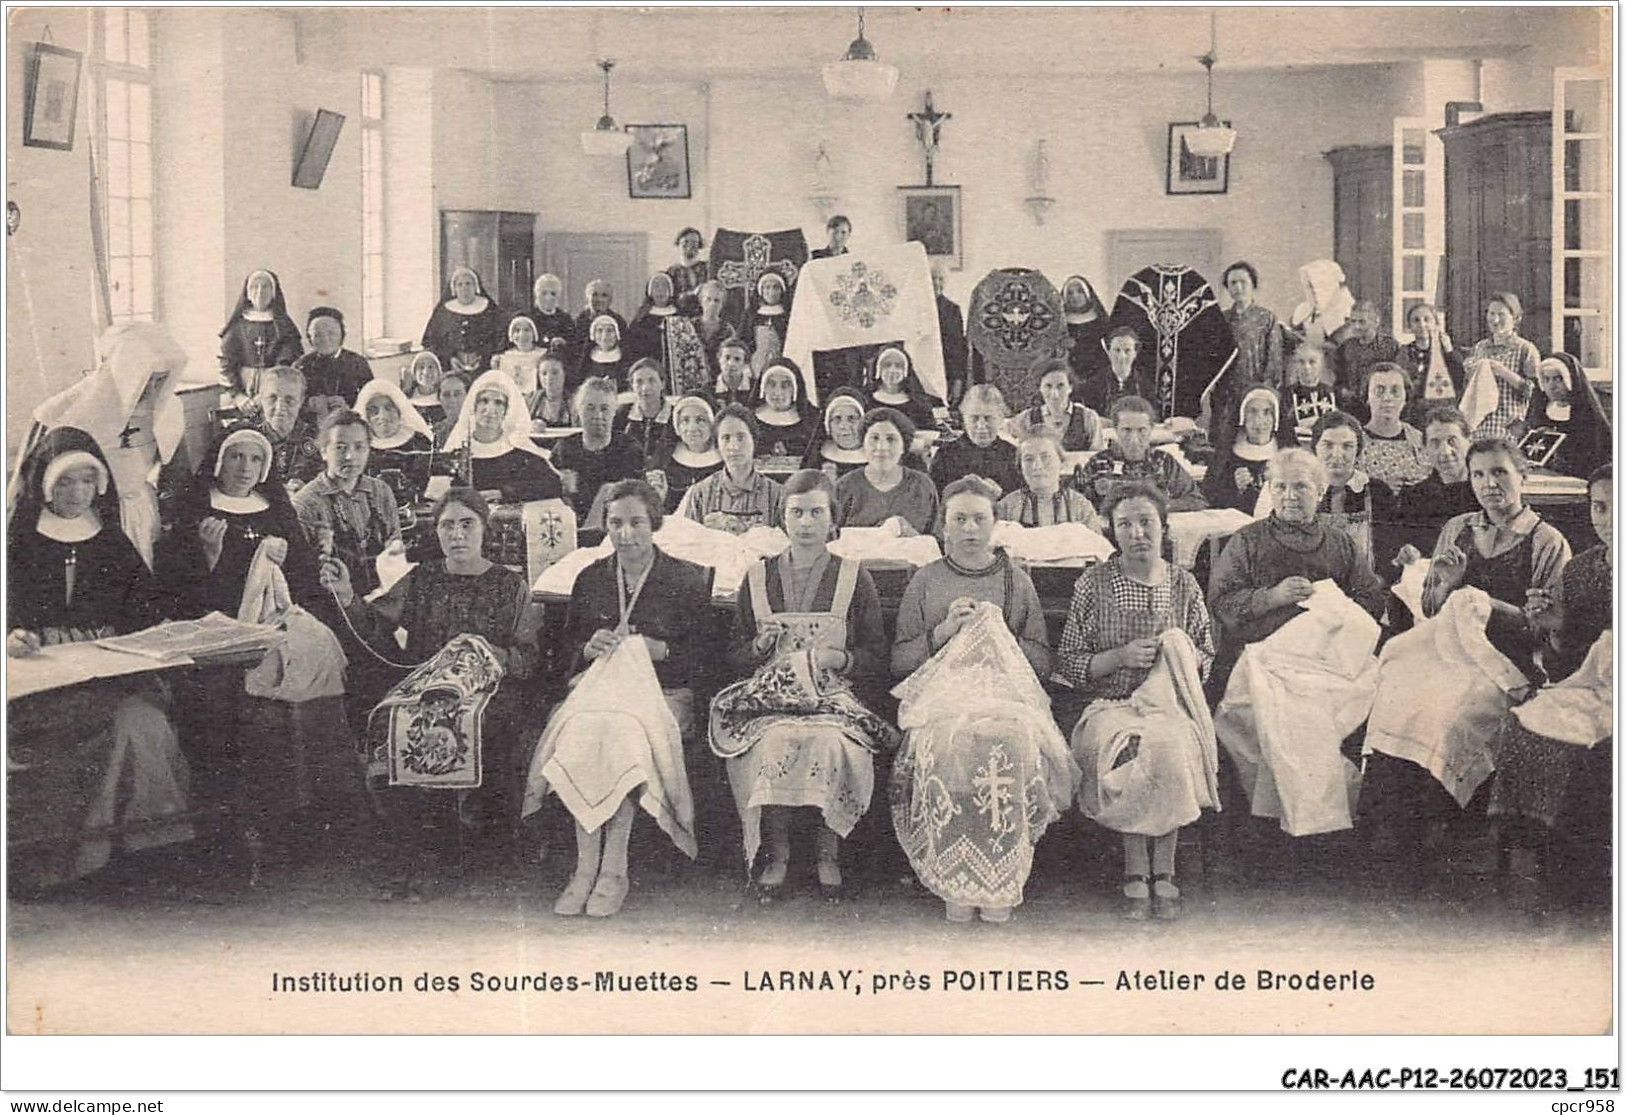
point(1087, 320)
point(1236, 476)
point(780, 412)
point(259, 334)
point(232, 506)
point(1435, 365)
point(1438, 701)
point(839, 448)
point(333, 374)
point(892, 382)
point(467, 327)
point(491, 440)
point(603, 771)
point(263, 759)
point(1545, 786)
point(645, 422)
point(92, 769)
point(691, 455)
point(1566, 403)
point(469, 624)
point(604, 354)
point(402, 452)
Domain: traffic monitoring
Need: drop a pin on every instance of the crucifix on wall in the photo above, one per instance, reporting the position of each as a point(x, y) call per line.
point(928, 130)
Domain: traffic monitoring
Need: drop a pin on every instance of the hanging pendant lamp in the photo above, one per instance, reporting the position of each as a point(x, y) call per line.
point(607, 138)
point(1212, 138)
point(860, 75)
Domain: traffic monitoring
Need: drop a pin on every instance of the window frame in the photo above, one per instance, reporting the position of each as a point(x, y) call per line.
point(104, 71)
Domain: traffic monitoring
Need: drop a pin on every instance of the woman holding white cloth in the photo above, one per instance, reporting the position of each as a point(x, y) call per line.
point(621, 729)
point(1139, 642)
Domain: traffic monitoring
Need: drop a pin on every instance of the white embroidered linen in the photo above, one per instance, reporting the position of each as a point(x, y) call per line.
point(1149, 764)
point(1291, 701)
point(1189, 529)
point(615, 735)
point(867, 298)
point(1442, 692)
point(1580, 708)
point(983, 769)
point(883, 544)
point(1058, 543)
point(308, 662)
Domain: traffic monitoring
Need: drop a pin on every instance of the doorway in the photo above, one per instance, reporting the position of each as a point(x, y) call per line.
point(578, 258)
point(1130, 249)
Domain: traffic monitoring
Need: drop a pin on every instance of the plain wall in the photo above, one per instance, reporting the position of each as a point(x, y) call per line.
point(752, 145)
point(49, 342)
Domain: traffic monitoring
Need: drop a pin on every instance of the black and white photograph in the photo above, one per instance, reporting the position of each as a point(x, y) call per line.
point(449, 595)
point(931, 215)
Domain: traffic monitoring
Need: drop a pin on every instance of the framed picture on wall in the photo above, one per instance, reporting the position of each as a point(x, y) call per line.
point(657, 161)
point(1194, 174)
point(51, 97)
point(934, 216)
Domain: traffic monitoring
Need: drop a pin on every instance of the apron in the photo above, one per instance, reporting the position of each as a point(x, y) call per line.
point(1506, 577)
point(805, 629)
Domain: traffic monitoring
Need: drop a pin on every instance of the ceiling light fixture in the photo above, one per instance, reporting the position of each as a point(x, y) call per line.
point(860, 75)
point(1213, 137)
point(607, 138)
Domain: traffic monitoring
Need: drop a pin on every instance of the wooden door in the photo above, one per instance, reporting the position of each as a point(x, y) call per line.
point(1498, 228)
point(1131, 249)
point(577, 258)
point(516, 259)
point(1362, 221)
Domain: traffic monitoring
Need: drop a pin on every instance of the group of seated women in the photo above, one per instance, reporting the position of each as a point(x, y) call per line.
point(433, 701)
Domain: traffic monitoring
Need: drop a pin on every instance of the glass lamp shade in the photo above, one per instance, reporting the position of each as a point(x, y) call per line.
point(1211, 140)
point(859, 79)
point(607, 140)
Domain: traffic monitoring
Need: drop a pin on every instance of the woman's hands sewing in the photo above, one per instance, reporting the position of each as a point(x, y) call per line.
point(1449, 569)
point(334, 576)
point(960, 612)
point(604, 641)
point(1291, 590)
point(1544, 611)
point(1140, 654)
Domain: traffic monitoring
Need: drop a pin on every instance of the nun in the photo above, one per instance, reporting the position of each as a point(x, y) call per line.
point(467, 328)
point(1566, 415)
point(402, 440)
point(493, 436)
point(129, 407)
point(259, 334)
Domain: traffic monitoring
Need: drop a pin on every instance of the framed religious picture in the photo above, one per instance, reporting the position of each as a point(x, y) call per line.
point(657, 161)
point(933, 216)
point(51, 97)
point(1190, 173)
point(1540, 445)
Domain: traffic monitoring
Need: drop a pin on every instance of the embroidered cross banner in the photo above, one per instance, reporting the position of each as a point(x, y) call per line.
point(740, 259)
point(880, 295)
point(1185, 342)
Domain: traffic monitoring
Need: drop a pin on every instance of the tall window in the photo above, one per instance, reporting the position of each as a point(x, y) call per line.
point(372, 204)
point(123, 76)
point(1582, 219)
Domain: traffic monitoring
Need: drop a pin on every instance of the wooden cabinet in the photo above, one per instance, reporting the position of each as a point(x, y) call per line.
point(1363, 221)
point(500, 247)
point(1498, 221)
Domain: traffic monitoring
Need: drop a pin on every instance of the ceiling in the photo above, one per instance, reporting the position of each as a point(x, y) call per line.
point(706, 43)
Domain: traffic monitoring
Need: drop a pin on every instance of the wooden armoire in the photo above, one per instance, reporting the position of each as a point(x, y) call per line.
point(1363, 221)
point(1498, 221)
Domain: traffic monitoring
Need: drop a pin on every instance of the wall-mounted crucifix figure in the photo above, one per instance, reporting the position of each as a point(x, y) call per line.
point(928, 130)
